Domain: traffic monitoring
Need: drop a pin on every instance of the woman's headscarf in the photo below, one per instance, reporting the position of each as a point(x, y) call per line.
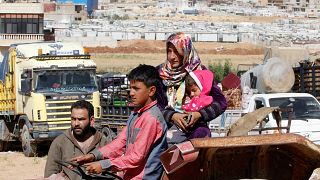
point(191, 60)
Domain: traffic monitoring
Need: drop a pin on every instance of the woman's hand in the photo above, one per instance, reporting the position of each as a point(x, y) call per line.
point(179, 120)
point(194, 118)
point(94, 167)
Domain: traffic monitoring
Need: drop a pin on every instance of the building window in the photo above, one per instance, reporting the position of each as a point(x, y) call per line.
point(21, 23)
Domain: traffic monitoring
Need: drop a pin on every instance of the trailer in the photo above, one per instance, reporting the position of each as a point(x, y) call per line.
point(241, 156)
point(273, 156)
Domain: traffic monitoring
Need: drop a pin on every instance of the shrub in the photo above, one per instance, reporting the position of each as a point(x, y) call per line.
point(220, 71)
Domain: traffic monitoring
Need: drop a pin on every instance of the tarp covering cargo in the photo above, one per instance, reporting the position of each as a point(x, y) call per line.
point(274, 76)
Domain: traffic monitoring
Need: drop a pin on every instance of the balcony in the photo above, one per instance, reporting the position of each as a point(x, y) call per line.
point(37, 37)
point(7, 39)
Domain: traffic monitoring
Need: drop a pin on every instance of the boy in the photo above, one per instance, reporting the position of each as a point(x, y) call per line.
point(137, 148)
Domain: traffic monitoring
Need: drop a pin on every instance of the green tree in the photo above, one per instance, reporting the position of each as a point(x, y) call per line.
point(220, 71)
point(227, 68)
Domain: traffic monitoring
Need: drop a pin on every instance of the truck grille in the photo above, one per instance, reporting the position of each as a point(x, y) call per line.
point(59, 110)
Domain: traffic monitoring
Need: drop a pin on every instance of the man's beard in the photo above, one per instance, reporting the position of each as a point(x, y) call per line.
point(84, 132)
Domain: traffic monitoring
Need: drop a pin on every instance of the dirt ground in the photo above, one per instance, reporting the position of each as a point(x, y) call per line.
point(15, 166)
point(129, 54)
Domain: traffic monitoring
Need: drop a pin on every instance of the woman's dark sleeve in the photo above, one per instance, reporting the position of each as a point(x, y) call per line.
point(218, 106)
point(167, 114)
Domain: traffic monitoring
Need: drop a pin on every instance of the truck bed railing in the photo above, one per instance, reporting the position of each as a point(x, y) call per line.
point(115, 102)
point(307, 79)
point(279, 128)
point(50, 57)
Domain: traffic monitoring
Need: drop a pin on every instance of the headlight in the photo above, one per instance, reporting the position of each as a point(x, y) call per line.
point(53, 125)
point(40, 127)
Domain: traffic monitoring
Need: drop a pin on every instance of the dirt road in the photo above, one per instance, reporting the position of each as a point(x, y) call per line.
point(15, 166)
point(129, 54)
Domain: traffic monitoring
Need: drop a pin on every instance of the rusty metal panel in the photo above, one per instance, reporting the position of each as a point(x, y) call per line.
point(275, 156)
point(247, 122)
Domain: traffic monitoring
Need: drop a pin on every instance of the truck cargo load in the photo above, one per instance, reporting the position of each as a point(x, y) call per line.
point(274, 76)
point(307, 78)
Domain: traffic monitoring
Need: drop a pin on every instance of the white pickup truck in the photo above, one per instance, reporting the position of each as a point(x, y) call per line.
point(305, 116)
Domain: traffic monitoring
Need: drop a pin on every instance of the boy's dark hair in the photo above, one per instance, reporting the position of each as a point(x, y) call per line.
point(189, 81)
point(82, 104)
point(146, 74)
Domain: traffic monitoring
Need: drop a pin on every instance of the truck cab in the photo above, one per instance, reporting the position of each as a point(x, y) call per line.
point(305, 117)
point(39, 82)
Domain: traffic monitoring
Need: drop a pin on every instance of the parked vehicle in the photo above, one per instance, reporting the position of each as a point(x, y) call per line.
point(115, 103)
point(267, 85)
point(39, 82)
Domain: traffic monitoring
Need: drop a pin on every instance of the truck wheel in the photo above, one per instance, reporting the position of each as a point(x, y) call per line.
point(2, 146)
point(29, 149)
point(5, 135)
point(109, 134)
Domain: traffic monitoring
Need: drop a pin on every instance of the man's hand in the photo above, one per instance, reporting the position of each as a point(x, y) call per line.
point(179, 120)
point(94, 167)
point(83, 159)
point(195, 118)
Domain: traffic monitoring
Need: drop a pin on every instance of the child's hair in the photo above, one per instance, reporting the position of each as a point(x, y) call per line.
point(146, 74)
point(189, 81)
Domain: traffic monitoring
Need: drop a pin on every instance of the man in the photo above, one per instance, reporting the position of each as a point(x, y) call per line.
point(80, 139)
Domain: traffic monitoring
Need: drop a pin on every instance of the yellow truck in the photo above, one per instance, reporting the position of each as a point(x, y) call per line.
point(38, 84)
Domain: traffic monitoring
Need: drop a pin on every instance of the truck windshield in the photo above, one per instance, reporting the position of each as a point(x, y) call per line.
point(65, 81)
point(303, 107)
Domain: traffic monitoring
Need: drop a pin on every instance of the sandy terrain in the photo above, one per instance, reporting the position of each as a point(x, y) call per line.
point(15, 166)
point(129, 54)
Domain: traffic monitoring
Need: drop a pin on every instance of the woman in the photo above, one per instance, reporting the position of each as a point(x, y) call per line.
point(181, 59)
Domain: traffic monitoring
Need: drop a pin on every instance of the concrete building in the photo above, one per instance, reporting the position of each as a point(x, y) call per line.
point(278, 3)
point(262, 2)
point(309, 6)
point(19, 23)
point(64, 14)
point(214, 2)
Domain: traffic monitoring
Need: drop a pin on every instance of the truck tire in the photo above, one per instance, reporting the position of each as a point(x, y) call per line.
point(29, 148)
point(4, 136)
point(108, 133)
point(2, 145)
